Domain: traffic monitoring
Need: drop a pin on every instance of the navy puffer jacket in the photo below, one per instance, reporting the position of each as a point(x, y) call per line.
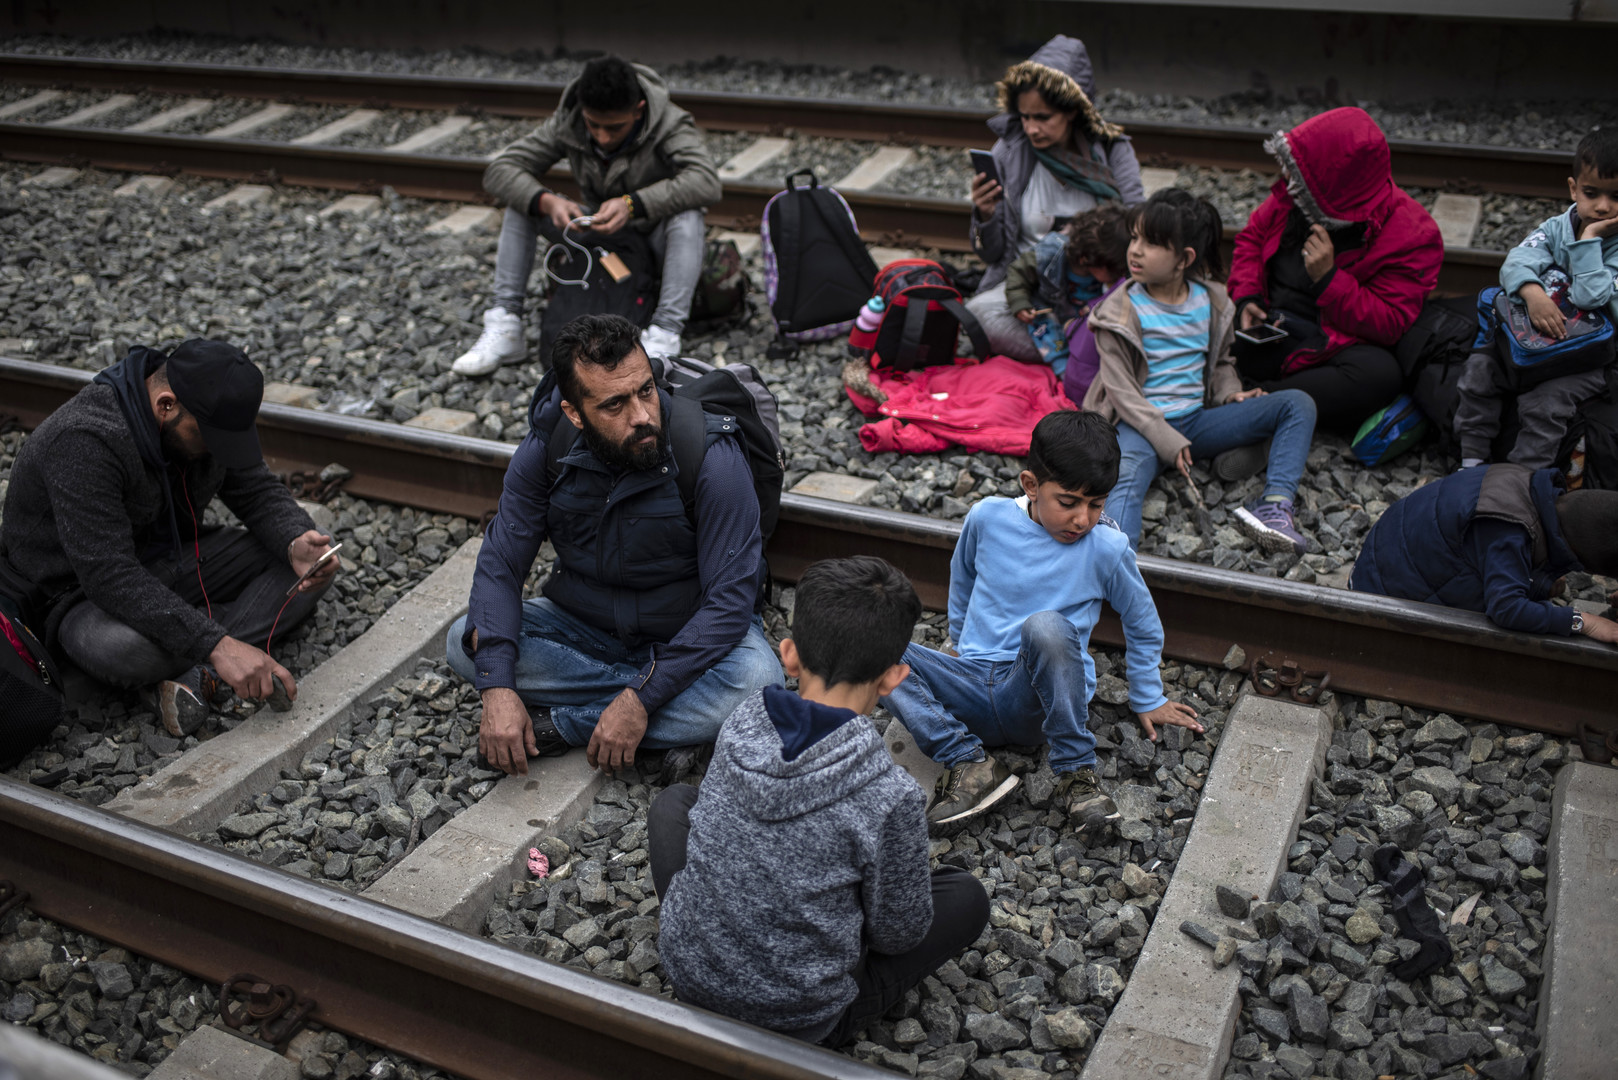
point(1439, 546)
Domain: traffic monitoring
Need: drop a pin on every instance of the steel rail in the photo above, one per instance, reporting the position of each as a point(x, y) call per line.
point(895, 220)
point(1512, 170)
point(1417, 654)
point(458, 1002)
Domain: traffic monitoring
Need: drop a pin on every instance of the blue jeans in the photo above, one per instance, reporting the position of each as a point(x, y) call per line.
point(953, 706)
point(1286, 417)
point(576, 670)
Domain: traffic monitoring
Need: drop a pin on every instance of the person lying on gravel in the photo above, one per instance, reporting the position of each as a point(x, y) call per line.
point(795, 886)
point(1025, 589)
point(1342, 260)
point(1167, 378)
point(1053, 285)
point(104, 546)
point(647, 634)
point(1575, 255)
point(639, 163)
point(1056, 158)
point(1495, 539)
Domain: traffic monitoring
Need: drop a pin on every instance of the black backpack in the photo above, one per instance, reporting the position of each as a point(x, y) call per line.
point(30, 688)
point(736, 392)
point(817, 272)
point(1589, 452)
point(635, 298)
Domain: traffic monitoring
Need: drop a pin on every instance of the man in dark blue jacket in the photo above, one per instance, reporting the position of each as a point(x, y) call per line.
point(647, 632)
point(1495, 539)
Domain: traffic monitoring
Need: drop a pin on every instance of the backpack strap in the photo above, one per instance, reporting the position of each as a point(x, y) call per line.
point(910, 336)
point(974, 329)
point(854, 249)
point(688, 440)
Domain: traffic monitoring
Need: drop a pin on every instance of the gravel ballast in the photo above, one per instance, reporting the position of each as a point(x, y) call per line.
point(1066, 922)
point(130, 1012)
point(1470, 804)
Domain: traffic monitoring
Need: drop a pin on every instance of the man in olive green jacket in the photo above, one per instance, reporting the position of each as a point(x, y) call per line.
point(638, 162)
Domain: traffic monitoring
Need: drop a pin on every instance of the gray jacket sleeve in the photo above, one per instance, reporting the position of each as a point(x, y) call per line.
point(1126, 170)
point(898, 890)
point(989, 237)
point(695, 183)
point(265, 506)
point(514, 176)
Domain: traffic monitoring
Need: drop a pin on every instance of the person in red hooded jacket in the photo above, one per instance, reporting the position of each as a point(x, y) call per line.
point(1342, 260)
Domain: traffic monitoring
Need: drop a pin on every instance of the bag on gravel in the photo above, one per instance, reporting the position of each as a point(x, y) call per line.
point(922, 316)
point(737, 392)
point(721, 294)
point(30, 688)
point(1390, 431)
point(817, 271)
point(583, 286)
point(1529, 357)
point(1589, 452)
point(1442, 333)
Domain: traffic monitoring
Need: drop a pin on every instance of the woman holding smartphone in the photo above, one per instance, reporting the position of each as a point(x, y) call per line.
point(1054, 157)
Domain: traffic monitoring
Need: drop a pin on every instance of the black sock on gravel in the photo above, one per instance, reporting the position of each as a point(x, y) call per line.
point(1416, 918)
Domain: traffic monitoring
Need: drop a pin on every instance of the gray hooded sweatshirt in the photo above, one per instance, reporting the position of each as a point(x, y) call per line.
point(793, 869)
point(996, 240)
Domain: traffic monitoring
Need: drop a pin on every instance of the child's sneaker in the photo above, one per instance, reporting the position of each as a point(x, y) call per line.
point(1088, 810)
point(965, 792)
point(1234, 466)
point(1271, 524)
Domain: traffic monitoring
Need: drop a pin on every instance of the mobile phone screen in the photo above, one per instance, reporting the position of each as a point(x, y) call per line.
point(331, 553)
point(983, 162)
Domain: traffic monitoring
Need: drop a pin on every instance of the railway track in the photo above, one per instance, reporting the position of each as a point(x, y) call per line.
point(1372, 646)
point(1510, 170)
point(895, 220)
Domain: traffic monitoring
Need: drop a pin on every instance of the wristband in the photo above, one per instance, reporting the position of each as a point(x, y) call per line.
point(629, 201)
point(1578, 622)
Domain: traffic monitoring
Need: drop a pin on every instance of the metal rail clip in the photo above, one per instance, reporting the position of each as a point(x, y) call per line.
point(1302, 686)
point(10, 897)
point(277, 1009)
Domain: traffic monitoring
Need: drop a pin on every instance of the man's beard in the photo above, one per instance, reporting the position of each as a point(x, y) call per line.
point(173, 450)
point(625, 456)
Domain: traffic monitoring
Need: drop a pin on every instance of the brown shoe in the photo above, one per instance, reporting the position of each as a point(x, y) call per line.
point(1088, 810)
point(966, 792)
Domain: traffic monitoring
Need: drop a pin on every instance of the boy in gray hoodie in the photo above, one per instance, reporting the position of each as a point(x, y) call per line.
point(795, 888)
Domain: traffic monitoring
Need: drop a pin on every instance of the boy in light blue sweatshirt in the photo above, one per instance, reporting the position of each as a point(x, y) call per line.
point(1570, 261)
point(1026, 585)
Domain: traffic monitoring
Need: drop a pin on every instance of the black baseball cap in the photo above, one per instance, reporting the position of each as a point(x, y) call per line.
point(222, 388)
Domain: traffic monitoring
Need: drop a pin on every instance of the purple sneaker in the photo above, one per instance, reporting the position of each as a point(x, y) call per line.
point(1271, 525)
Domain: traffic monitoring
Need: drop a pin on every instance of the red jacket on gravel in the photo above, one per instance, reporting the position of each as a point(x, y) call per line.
point(1341, 157)
point(990, 406)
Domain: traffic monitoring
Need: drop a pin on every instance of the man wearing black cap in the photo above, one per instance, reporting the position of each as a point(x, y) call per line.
point(103, 548)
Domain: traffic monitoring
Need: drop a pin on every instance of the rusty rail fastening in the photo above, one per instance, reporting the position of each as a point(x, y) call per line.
point(1302, 686)
point(10, 897)
point(276, 1009)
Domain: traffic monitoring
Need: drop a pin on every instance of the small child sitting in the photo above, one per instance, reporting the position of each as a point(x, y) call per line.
point(1168, 379)
point(1060, 278)
point(1572, 257)
point(795, 887)
point(1025, 590)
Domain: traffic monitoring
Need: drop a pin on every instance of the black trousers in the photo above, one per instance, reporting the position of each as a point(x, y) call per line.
point(246, 588)
point(1347, 388)
point(960, 912)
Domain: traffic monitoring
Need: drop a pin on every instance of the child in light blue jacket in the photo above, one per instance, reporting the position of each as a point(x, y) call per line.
point(1571, 258)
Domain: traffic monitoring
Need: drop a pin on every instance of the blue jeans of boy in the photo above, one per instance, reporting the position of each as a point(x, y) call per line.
point(576, 670)
point(1286, 417)
point(954, 706)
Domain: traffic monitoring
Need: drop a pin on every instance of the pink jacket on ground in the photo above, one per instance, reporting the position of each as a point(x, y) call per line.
point(1342, 159)
point(989, 406)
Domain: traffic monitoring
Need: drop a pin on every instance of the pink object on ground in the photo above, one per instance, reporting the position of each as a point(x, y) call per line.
point(989, 406)
point(538, 864)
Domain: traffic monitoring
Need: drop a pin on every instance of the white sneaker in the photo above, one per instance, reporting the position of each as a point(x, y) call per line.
point(660, 342)
point(500, 343)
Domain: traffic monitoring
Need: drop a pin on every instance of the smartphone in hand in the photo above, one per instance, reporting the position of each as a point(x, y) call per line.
point(983, 162)
point(330, 554)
